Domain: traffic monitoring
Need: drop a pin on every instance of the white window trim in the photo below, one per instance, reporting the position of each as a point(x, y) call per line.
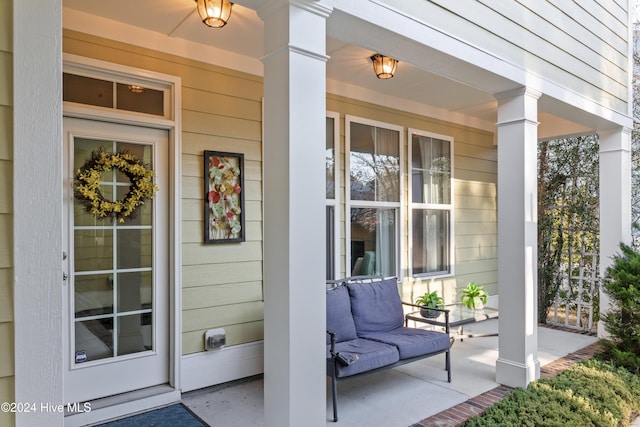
point(450, 207)
point(399, 206)
point(335, 202)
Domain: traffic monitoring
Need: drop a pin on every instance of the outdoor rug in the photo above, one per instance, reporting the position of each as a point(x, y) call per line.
point(176, 415)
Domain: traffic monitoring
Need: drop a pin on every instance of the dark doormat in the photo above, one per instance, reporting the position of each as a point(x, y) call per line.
point(176, 415)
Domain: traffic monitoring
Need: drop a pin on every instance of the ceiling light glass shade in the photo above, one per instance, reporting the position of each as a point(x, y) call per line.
point(384, 66)
point(214, 13)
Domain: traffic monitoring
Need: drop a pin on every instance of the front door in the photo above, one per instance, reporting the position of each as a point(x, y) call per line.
point(116, 306)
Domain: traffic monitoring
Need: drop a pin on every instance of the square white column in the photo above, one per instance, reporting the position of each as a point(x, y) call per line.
point(294, 213)
point(615, 200)
point(37, 209)
point(517, 363)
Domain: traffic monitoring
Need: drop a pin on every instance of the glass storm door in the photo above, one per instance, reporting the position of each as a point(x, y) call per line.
point(117, 321)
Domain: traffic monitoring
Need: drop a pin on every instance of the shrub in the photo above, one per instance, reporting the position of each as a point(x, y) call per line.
point(622, 284)
point(618, 357)
point(590, 393)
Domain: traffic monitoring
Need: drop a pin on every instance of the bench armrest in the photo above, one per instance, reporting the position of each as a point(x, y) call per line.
point(332, 336)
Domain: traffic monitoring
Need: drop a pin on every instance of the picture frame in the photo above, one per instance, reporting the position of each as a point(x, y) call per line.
point(223, 197)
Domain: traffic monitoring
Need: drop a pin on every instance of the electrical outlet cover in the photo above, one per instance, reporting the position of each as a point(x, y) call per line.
point(215, 339)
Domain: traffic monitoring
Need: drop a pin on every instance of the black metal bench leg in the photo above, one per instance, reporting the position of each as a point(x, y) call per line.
point(448, 366)
point(334, 395)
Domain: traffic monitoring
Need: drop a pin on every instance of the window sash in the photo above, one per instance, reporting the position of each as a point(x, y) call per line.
point(380, 148)
point(332, 162)
point(374, 241)
point(431, 204)
point(374, 163)
point(430, 235)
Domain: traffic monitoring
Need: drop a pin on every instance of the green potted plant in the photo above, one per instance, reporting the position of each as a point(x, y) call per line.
point(430, 299)
point(474, 296)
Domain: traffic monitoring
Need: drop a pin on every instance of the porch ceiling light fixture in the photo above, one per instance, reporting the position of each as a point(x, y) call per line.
point(384, 66)
point(214, 13)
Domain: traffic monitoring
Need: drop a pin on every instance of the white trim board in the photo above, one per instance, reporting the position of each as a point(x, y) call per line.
point(213, 367)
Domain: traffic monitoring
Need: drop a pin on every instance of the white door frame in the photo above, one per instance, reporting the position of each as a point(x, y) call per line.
point(117, 406)
point(142, 367)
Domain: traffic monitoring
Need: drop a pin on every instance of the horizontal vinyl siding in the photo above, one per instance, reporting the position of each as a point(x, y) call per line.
point(579, 45)
point(221, 111)
point(475, 205)
point(475, 173)
point(222, 284)
point(7, 368)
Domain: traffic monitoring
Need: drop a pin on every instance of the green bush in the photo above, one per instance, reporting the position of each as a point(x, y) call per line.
point(622, 284)
point(619, 357)
point(590, 393)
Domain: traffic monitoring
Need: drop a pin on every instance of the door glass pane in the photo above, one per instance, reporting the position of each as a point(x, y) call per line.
point(94, 339)
point(134, 291)
point(93, 295)
point(134, 248)
point(113, 281)
point(82, 217)
point(84, 148)
point(134, 334)
point(93, 249)
point(142, 215)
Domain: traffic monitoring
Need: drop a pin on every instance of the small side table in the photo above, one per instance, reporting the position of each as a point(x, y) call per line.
point(459, 315)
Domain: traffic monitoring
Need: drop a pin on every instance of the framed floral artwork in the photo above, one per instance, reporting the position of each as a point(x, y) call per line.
point(223, 197)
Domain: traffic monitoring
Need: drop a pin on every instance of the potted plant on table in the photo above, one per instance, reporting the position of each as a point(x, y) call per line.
point(427, 301)
point(474, 296)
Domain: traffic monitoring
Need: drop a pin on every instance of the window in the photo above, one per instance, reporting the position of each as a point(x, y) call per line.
point(431, 207)
point(114, 95)
point(373, 197)
point(331, 165)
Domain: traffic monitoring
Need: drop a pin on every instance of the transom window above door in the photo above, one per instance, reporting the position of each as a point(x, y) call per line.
point(115, 94)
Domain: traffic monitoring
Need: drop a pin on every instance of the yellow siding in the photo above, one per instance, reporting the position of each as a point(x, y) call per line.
point(6, 395)
point(6, 210)
point(221, 111)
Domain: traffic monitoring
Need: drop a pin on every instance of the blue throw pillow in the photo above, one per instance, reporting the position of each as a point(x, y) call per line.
point(376, 306)
point(339, 319)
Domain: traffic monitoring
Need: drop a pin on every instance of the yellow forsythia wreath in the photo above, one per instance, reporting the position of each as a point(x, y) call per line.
point(88, 179)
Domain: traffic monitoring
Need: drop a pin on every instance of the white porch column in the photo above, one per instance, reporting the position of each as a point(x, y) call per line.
point(517, 363)
point(294, 213)
point(615, 200)
point(37, 208)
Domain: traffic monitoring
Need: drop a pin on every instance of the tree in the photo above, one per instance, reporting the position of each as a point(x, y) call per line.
point(568, 224)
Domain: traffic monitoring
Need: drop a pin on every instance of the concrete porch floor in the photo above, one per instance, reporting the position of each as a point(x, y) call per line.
point(399, 397)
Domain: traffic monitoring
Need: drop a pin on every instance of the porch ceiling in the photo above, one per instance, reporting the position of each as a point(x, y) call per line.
point(433, 90)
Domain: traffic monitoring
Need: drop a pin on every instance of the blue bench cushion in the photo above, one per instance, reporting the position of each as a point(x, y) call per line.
point(339, 318)
point(412, 342)
point(371, 355)
point(376, 306)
